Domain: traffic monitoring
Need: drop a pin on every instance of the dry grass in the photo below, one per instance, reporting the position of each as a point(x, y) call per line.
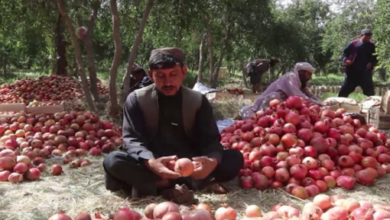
point(82, 190)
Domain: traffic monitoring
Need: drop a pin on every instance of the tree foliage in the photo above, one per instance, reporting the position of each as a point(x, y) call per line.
point(233, 32)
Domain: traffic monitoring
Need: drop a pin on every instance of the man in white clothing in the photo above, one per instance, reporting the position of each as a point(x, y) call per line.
point(290, 84)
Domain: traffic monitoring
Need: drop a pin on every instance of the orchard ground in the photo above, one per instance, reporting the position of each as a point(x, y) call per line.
point(82, 189)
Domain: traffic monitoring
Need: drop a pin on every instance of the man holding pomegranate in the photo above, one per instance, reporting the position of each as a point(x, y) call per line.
point(358, 62)
point(255, 70)
point(290, 84)
point(162, 123)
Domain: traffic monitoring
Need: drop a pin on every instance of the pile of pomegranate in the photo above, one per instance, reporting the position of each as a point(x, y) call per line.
point(308, 149)
point(326, 207)
point(162, 211)
point(28, 139)
point(322, 207)
point(44, 88)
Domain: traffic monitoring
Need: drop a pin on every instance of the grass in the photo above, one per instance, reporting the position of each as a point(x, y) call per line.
point(82, 190)
point(358, 96)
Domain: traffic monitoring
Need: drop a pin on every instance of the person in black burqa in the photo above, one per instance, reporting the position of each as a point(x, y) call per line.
point(358, 61)
point(163, 122)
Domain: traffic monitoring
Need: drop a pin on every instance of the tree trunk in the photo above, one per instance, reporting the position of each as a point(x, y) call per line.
point(90, 52)
point(78, 56)
point(61, 63)
point(214, 77)
point(211, 52)
point(114, 108)
point(201, 48)
point(134, 51)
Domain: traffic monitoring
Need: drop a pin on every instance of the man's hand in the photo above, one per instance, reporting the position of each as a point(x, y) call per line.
point(348, 62)
point(159, 166)
point(369, 66)
point(203, 167)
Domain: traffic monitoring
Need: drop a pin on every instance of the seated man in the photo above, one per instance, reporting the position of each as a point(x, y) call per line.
point(256, 69)
point(139, 79)
point(163, 122)
point(291, 83)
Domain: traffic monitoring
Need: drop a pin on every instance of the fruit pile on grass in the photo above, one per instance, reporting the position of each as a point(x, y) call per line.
point(307, 149)
point(28, 139)
point(45, 88)
point(323, 207)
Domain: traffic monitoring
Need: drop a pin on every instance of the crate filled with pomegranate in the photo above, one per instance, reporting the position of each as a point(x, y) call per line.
point(307, 149)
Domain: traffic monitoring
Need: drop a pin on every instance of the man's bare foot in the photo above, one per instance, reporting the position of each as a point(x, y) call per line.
point(216, 188)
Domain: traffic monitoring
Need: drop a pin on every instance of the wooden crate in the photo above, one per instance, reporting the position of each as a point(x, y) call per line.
point(378, 118)
point(225, 95)
point(51, 109)
point(351, 108)
point(14, 107)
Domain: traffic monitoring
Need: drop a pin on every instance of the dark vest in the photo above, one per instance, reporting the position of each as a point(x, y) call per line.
point(148, 101)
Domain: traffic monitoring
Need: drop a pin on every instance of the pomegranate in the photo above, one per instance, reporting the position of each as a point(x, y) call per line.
point(310, 163)
point(15, 178)
point(299, 171)
point(328, 164)
point(292, 117)
point(330, 181)
point(7, 163)
point(369, 162)
point(292, 160)
point(148, 211)
point(312, 190)
point(321, 127)
point(320, 144)
point(268, 171)
point(289, 140)
point(267, 149)
point(184, 166)
point(56, 169)
point(225, 213)
point(366, 176)
point(310, 151)
point(246, 182)
point(253, 211)
point(299, 192)
point(289, 128)
point(345, 182)
point(294, 102)
point(335, 213)
point(282, 175)
point(345, 161)
point(161, 209)
point(260, 181)
point(288, 211)
point(60, 216)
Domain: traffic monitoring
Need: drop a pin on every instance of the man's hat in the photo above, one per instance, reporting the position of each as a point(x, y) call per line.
point(176, 53)
point(366, 32)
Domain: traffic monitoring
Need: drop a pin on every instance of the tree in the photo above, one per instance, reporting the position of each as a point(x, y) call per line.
point(381, 34)
point(77, 53)
point(134, 50)
point(114, 108)
point(90, 50)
